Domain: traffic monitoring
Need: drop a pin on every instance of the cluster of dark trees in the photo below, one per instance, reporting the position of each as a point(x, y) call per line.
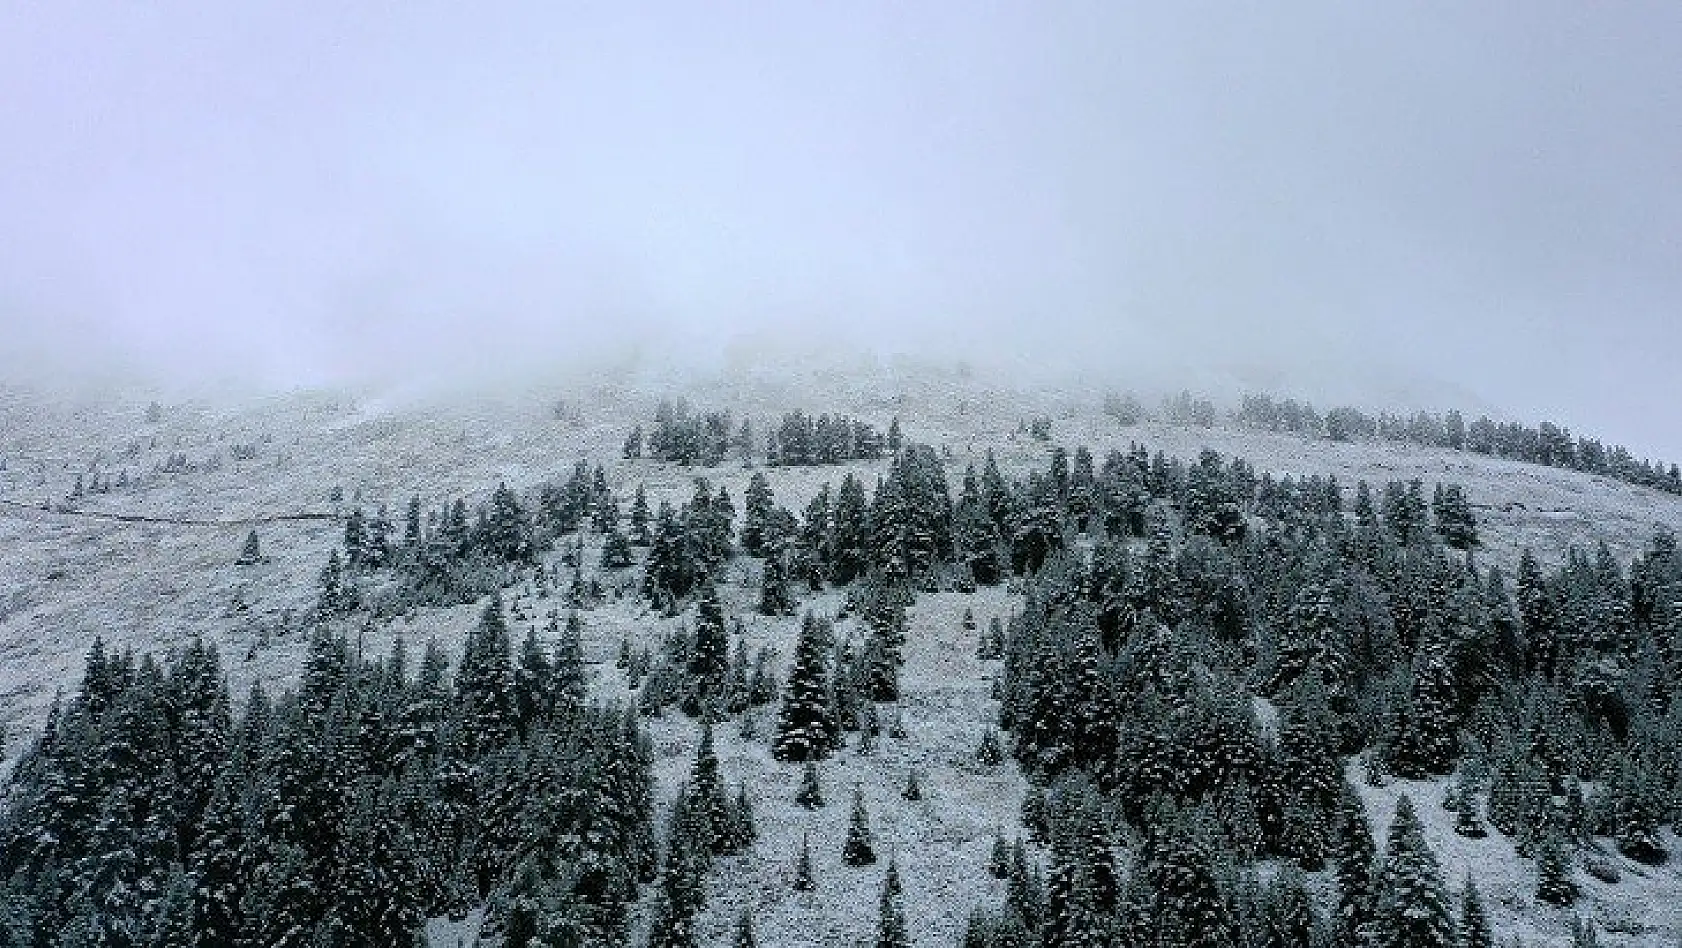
point(453, 555)
point(801, 440)
point(1129, 682)
point(343, 813)
point(681, 436)
point(1545, 443)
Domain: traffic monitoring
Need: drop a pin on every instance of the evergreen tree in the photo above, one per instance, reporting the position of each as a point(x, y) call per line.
point(803, 881)
point(810, 794)
point(1290, 918)
point(913, 790)
point(1473, 930)
point(744, 936)
point(1354, 854)
point(616, 550)
point(1410, 907)
point(774, 596)
point(890, 919)
point(806, 726)
point(249, 554)
point(640, 518)
point(859, 850)
point(484, 683)
point(757, 504)
point(534, 681)
point(709, 656)
point(1554, 882)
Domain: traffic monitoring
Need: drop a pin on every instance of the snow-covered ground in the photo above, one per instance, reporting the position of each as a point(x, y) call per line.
point(65, 578)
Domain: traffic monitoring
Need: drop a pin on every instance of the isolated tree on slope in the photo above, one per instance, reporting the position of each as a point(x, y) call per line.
point(806, 727)
point(890, 921)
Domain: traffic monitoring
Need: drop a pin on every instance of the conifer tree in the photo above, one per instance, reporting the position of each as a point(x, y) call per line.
point(709, 656)
point(1473, 930)
point(616, 550)
point(757, 504)
point(806, 726)
point(640, 518)
point(890, 920)
point(1468, 821)
point(570, 681)
point(858, 850)
point(1410, 907)
point(534, 681)
point(1554, 882)
point(803, 881)
point(810, 794)
point(1354, 856)
point(913, 790)
point(484, 683)
point(250, 554)
point(1290, 918)
point(774, 596)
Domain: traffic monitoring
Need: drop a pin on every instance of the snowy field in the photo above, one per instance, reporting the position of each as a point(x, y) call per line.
point(65, 577)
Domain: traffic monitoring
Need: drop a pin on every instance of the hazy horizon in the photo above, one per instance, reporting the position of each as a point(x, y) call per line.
point(1480, 205)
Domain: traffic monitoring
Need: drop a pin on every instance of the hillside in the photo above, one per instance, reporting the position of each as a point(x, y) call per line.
point(67, 576)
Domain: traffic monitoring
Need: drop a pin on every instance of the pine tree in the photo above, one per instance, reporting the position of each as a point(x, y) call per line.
point(616, 550)
point(810, 794)
point(1410, 908)
point(774, 596)
point(806, 726)
point(570, 683)
point(803, 881)
point(890, 923)
point(484, 683)
point(704, 796)
point(709, 656)
point(1473, 930)
point(1467, 819)
point(858, 850)
point(534, 694)
point(757, 504)
point(998, 860)
point(1554, 882)
point(640, 518)
point(990, 753)
point(249, 554)
point(1289, 910)
point(1354, 855)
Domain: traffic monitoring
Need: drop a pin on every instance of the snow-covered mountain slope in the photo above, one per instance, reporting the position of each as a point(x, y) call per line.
point(66, 577)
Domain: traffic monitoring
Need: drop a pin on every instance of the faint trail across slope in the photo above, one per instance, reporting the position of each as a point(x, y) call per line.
point(36, 509)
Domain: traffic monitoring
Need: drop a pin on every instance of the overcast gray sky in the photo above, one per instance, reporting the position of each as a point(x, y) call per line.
point(1482, 198)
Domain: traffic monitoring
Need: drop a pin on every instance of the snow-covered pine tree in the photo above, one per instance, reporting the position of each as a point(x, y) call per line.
point(1291, 921)
point(774, 596)
point(743, 937)
point(1555, 884)
point(1410, 905)
point(250, 554)
point(859, 848)
point(806, 727)
point(1354, 855)
point(803, 881)
point(890, 919)
point(1473, 930)
point(484, 683)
